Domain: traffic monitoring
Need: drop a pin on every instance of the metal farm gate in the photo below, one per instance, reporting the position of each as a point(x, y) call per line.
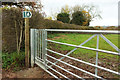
point(39, 52)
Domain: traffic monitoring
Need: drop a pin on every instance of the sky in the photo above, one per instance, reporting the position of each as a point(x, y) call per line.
point(108, 8)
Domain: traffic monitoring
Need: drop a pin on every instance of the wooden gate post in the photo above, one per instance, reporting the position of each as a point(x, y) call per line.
point(27, 42)
point(27, 15)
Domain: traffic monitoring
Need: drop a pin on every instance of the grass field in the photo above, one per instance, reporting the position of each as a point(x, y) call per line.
point(77, 39)
point(104, 59)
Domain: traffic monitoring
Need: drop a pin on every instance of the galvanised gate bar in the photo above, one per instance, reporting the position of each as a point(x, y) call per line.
point(39, 51)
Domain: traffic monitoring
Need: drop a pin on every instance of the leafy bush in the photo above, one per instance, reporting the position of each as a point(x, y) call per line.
point(13, 60)
point(64, 17)
point(78, 18)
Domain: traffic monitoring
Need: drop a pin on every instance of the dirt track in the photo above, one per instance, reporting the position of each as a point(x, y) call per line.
point(35, 72)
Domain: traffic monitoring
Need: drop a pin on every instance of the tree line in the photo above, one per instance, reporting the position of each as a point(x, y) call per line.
point(79, 15)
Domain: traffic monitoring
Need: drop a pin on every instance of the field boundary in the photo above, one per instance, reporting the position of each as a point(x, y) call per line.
point(40, 57)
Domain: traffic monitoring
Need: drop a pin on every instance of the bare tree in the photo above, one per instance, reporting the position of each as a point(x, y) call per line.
point(18, 20)
point(19, 32)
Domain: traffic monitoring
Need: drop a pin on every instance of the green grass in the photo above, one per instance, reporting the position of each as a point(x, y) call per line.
point(77, 39)
point(104, 59)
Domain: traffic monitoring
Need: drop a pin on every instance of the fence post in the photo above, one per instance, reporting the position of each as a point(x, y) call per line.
point(27, 42)
point(35, 38)
point(45, 46)
point(97, 46)
point(32, 36)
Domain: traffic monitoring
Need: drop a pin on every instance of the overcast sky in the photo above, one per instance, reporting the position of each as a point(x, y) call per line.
point(109, 9)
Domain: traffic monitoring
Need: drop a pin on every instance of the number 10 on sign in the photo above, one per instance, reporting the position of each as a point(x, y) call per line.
point(27, 14)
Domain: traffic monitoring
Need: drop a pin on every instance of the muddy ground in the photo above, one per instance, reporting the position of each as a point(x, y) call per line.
point(35, 72)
